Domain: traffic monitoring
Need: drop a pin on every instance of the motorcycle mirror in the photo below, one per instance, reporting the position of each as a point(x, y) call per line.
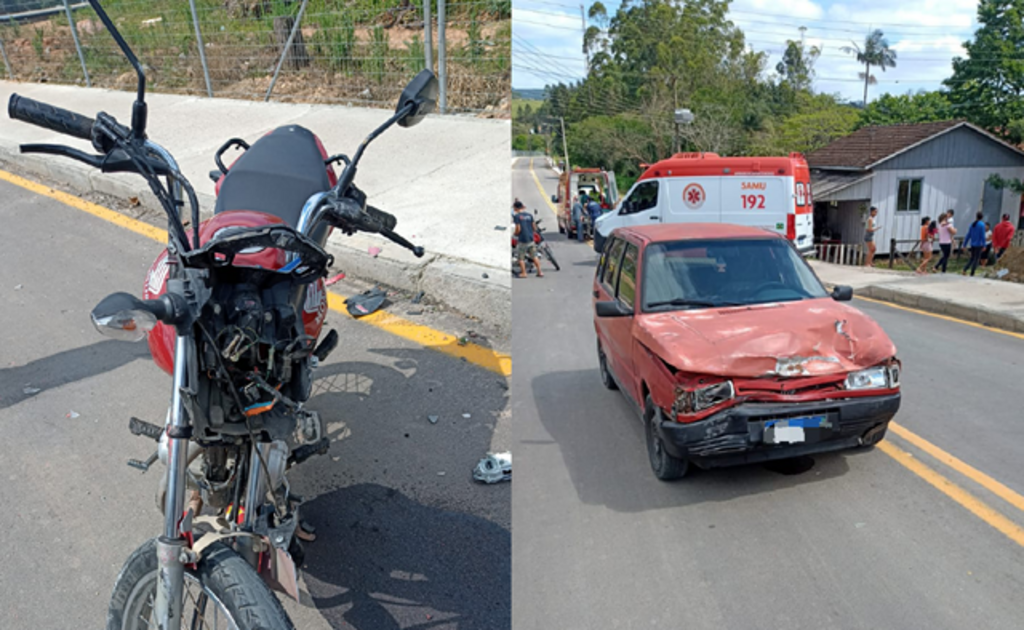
point(421, 94)
point(139, 111)
point(123, 316)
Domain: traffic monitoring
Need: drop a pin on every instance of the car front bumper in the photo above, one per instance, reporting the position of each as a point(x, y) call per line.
point(736, 435)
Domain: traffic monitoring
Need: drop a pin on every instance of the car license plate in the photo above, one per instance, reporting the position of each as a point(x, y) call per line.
point(792, 430)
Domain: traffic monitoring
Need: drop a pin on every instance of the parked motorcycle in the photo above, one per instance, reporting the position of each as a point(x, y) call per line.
point(542, 247)
point(234, 312)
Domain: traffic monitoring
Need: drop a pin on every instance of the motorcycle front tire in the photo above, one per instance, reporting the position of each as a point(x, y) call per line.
point(550, 256)
point(229, 583)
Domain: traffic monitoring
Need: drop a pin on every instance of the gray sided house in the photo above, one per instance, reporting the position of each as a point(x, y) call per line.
point(910, 172)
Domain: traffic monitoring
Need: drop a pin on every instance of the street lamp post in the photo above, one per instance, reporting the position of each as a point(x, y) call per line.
point(682, 117)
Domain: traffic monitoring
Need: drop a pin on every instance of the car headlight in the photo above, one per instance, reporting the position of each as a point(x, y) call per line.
point(882, 377)
point(696, 400)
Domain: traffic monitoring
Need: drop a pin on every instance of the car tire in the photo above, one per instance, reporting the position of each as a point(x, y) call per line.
point(606, 377)
point(666, 467)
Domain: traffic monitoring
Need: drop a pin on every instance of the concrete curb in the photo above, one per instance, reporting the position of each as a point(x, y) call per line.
point(959, 310)
point(470, 288)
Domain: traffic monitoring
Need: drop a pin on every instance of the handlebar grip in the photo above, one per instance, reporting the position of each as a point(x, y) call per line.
point(385, 220)
point(50, 117)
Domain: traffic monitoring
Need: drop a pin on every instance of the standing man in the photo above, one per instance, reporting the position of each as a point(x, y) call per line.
point(975, 239)
point(869, 236)
point(577, 218)
point(1002, 234)
point(525, 247)
point(594, 210)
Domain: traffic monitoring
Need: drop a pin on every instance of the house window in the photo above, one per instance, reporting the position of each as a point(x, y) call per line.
point(908, 195)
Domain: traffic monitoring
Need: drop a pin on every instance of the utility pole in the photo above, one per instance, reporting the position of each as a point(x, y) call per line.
point(803, 33)
point(586, 50)
point(565, 145)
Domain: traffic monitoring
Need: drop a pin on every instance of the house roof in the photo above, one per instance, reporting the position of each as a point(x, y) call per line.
point(825, 183)
point(870, 146)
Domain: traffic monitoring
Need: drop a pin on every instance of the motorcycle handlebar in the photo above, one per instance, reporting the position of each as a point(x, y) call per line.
point(50, 117)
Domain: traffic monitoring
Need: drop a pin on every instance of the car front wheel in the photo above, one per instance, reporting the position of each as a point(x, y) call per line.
point(666, 467)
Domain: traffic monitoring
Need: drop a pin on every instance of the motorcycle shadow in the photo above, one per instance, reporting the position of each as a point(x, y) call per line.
point(384, 561)
point(398, 544)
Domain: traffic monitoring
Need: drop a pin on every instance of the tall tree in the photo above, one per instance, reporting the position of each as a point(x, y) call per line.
point(988, 85)
point(797, 66)
point(875, 53)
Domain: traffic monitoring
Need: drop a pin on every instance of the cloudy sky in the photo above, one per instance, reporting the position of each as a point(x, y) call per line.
point(547, 38)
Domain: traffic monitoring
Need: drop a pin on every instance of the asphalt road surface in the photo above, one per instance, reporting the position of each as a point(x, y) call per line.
point(405, 538)
point(842, 541)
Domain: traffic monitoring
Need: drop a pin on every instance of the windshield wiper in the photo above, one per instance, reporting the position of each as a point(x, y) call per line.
point(694, 303)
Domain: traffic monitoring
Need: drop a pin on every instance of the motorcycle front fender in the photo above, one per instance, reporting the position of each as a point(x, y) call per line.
point(278, 570)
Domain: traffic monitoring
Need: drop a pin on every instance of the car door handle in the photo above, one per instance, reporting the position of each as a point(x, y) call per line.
point(655, 218)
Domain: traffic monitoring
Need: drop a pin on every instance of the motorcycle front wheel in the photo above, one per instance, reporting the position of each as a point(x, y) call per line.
point(224, 593)
point(550, 256)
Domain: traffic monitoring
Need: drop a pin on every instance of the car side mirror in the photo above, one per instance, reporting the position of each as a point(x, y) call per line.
point(554, 198)
point(612, 308)
point(421, 93)
point(842, 294)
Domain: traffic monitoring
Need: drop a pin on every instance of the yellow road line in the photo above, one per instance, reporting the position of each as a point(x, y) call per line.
point(128, 223)
point(945, 317)
point(487, 358)
point(543, 194)
point(965, 469)
point(974, 505)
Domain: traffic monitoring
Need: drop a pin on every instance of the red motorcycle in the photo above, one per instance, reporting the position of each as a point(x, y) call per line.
point(542, 246)
point(234, 313)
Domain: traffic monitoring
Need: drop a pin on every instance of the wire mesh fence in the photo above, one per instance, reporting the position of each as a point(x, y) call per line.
point(359, 52)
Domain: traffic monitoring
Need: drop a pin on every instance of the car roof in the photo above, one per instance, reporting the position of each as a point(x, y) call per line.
point(692, 232)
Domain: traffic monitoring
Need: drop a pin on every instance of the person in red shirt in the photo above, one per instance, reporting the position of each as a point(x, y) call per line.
point(1002, 234)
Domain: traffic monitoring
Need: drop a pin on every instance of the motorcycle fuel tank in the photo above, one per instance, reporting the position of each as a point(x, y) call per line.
point(161, 338)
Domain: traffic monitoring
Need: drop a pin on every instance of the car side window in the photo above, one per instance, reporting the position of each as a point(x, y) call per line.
point(611, 271)
point(643, 197)
point(627, 276)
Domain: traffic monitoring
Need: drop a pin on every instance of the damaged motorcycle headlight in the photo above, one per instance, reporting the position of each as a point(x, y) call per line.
point(873, 378)
point(696, 400)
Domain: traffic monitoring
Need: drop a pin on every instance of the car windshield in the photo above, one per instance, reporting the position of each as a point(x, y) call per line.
point(711, 273)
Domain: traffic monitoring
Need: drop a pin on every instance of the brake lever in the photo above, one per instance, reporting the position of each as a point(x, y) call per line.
point(94, 161)
point(416, 250)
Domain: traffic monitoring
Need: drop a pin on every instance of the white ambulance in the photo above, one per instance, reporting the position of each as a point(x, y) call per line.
point(773, 193)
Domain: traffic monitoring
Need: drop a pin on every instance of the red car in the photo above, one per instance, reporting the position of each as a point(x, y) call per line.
point(732, 350)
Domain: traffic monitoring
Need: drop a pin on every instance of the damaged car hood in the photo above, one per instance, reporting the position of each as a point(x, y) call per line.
point(805, 338)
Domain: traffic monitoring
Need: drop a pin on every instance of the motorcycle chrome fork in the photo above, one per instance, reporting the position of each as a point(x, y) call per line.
point(171, 546)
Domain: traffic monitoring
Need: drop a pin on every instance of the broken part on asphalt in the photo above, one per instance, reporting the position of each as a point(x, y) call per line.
point(366, 302)
point(494, 468)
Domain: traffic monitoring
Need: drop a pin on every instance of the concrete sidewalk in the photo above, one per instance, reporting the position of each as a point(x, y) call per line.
point(992, 303)
point(447, 180)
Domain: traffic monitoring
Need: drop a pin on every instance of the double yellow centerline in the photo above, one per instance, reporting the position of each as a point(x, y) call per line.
point(444, 343)
point(943, 484)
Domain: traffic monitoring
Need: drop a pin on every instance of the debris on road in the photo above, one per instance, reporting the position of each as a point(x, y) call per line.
point(374, 251)
point(72, 414)
point(441, 474)
point(467, 416)
point(501, 228)
point(18, 287)
point(335, 279)
point(366, 302)
point(418, 298)
point(485, 276)
point(433, 419)
point(30, 391)
point(418, 311)
point(494, 468)
point(463, 341)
